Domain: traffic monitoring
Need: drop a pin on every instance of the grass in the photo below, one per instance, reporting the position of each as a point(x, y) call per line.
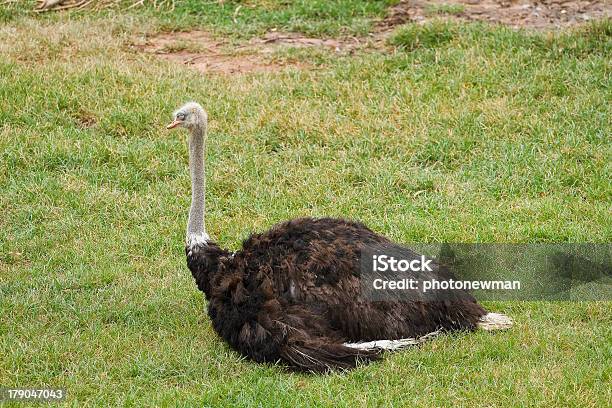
point(465, 133)
point(445, 8)
point(236, 17)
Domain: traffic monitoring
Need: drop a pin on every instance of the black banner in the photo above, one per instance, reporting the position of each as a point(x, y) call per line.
point(434, 272)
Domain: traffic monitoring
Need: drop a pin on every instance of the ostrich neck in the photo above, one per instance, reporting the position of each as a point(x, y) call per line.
point(196, 231)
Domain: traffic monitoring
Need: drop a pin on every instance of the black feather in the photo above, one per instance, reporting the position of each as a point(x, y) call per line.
point(293, 294)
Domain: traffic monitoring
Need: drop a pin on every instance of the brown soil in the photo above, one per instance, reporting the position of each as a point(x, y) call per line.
point(208, 54)
point(537, 14)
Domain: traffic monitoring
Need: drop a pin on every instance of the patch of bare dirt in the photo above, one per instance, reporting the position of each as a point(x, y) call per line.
point(208, 54)
point(85, 119)
point(205, 53)
point(536, 14)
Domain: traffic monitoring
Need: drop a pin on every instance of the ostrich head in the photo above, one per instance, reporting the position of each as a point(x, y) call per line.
point(190, 116)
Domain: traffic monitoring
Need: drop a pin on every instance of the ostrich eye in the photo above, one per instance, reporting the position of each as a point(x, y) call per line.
point(180, 116)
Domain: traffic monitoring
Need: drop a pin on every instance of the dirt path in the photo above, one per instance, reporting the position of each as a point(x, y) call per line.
point(538, 14)
point(207, 54)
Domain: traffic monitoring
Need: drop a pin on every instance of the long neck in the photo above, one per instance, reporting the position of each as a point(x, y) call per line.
point(196, 231)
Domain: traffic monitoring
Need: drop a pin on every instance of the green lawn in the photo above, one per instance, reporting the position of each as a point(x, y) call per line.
point(455, 133)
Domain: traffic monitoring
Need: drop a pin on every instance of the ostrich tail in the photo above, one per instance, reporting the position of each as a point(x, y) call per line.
point(490, 322)
point(494, 321)
point(392, 345)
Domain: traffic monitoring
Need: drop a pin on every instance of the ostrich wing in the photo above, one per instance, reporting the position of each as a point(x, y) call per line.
point(317, 262)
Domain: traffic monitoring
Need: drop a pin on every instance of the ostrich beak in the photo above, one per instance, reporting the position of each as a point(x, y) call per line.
point(174, 124)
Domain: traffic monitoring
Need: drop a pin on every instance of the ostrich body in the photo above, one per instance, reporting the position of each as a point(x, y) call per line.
point(293, 293)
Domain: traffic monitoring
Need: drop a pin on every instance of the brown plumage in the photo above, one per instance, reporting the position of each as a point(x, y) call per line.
point(293, 294)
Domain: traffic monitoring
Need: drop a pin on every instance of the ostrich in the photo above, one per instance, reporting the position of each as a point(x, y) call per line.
point(293, 295)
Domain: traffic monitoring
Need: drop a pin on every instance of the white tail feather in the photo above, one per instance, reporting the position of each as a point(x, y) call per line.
point(490, 321)
point(495, 321)
point(392, 345)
